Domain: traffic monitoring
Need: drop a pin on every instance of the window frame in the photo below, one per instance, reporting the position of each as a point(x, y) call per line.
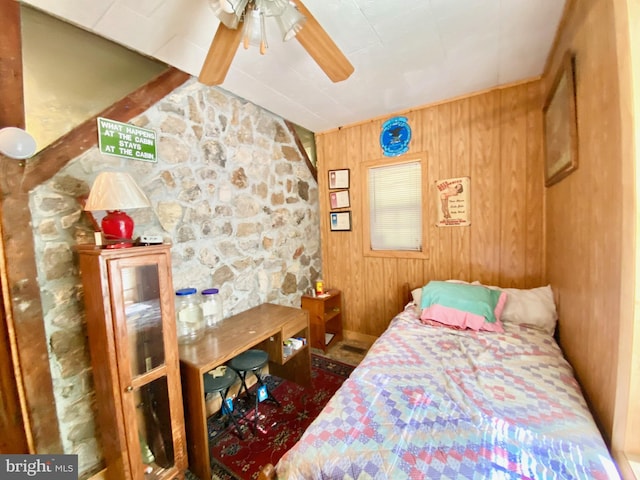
point(426, 195)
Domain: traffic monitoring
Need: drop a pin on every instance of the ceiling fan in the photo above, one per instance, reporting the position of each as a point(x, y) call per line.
point(294, 19)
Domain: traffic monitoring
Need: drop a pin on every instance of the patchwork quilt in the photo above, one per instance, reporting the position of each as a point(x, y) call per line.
point(431, 402)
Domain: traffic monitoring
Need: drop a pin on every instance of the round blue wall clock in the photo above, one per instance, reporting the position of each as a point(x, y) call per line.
point(395, 136)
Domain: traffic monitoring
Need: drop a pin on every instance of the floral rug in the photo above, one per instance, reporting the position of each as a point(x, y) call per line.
point(279, 428)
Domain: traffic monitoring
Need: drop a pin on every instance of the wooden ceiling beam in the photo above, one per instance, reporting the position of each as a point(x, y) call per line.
point(28, 421)
point(11, 92)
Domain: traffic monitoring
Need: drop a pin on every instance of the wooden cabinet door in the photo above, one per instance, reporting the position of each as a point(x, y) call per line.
point(148, 368)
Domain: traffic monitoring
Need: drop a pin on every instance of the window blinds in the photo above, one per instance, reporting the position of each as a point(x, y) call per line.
point(395, 204)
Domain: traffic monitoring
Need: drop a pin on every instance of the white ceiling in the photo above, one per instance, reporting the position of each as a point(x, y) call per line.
point(405, 53)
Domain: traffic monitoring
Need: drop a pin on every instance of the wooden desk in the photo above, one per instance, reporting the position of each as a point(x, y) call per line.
point(264, 327)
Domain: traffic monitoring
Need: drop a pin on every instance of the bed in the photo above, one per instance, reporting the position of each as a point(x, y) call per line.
point(450, 394)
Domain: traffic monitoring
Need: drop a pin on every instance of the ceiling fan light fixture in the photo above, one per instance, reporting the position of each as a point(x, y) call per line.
point(254, 32)
point(271, 8)
point(229, 12)
point(290, 21)
point(225, 6)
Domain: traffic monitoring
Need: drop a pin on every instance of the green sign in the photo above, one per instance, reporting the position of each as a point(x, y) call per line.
point(126, 140)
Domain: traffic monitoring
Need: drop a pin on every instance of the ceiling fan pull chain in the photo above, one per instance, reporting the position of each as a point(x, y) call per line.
point(263, 36)
point(254, 30)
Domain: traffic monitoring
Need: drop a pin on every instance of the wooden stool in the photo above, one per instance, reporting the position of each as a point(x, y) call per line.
point(221, 385)
point(252, 361)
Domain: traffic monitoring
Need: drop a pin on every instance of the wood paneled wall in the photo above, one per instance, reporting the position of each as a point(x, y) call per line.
point(625, 439)
point(587, 212)
point(494, 138)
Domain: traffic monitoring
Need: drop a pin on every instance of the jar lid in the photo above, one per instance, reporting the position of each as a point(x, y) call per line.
point(210, 291)
point(185, 291)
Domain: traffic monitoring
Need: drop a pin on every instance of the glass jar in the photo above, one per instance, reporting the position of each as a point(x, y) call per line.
point(188, 315)
point(211, 307)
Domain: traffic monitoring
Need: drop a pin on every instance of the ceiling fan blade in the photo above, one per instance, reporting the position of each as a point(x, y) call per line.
point(321, 48)
point(221, 52)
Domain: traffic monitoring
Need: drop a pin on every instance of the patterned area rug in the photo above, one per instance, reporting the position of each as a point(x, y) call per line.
point(279, 428)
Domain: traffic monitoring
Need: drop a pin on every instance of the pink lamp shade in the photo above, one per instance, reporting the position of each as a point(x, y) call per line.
point(114, 192)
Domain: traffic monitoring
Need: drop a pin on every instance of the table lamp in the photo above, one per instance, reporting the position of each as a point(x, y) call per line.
point(114, 192)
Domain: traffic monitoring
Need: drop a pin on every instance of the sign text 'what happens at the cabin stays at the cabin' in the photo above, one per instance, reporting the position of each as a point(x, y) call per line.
point(126, 140)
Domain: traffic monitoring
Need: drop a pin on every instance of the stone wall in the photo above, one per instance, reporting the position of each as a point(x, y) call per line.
point(230, 191)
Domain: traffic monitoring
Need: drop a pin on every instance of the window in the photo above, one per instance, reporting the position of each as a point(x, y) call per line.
point(395, 211)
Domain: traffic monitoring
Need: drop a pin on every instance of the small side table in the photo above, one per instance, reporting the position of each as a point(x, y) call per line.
point(325, 318)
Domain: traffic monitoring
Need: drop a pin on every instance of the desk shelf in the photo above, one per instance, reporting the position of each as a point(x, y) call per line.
point(293, 366)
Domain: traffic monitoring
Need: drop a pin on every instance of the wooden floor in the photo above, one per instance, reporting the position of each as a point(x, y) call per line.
point(350, 352)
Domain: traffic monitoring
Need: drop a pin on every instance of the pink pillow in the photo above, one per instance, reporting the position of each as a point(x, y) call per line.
point(460, 319)
point(463, 306)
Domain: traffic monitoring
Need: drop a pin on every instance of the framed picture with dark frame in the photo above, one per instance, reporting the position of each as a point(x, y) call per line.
point(340, 221)
point(338, 179)
point(339, 199)
point(560, 125)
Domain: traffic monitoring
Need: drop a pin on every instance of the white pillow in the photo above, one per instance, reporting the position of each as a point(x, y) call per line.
point(416, 294)
point(534, 307)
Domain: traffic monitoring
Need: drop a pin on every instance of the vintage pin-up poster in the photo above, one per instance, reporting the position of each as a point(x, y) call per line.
point(453, 202)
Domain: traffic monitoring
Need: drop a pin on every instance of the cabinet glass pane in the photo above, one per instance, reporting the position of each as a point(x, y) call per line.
point(141, 292)
point(154, 427)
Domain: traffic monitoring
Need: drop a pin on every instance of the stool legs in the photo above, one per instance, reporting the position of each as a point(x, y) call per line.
point(260, 383)
point(221, 380)
point(252, 360)
point(270, 396)
point(226, 411)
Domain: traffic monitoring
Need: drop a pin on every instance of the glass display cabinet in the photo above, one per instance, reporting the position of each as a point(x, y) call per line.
point(134, 354)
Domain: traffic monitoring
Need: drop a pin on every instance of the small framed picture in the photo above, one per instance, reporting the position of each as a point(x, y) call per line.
point(340, 221)
point(560, 125)
point(339, 199)
point(338, 179)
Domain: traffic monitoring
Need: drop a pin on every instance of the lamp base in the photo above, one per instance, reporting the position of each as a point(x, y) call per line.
point(120, 245)
point(117, 227)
